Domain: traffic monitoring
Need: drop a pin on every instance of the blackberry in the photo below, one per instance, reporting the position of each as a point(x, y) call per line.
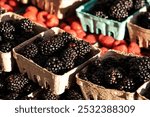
point(129, 85)
point(48, 47)
point(109, 62)
point(48, 95)
point(25, 25)
point(17, 82)
point(12, 96)
point(54, 65)
point(66, 37)
point(84, 76)
point(68, 57)
point(6, 27)
point(6, 47)
point(143, 20)
point(119, 9)
point(40, 59)
point(97, 77)
point(141, 68)
point(113, 77)
point(73, 94)
point(101, 14)
point(30, 51)
point(2, 87)
point(81, 47)
point(138, 4)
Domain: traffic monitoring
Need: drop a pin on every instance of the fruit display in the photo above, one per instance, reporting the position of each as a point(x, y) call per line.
point(116, 9)
point(138, 28)
point(126, 74)
point(61, 52)
point(114, 76)
point(60, 55)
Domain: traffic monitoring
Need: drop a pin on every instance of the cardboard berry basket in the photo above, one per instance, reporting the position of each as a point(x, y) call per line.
point(101, 25)
point(61, 8)
point(6, 59)
point(45, 78)
point(92, 91)
point(137, 33)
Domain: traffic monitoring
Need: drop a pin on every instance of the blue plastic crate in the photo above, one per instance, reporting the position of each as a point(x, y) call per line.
point(101, 25)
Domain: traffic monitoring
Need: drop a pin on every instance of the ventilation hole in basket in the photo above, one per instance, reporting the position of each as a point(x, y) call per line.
point(47, 85)
point(35, 79)
point(111, 34)
point(87, 28)
point(137, 40)
point(99, 31)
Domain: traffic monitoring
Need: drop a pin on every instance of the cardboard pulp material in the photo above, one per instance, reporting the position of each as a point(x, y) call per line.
point(6, 59)
point(137, 33)
point(92, 91)
point(144, 90)
point(45, 78)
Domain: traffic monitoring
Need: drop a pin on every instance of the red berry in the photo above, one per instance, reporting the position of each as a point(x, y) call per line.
point(8, 7)
point(91, 39)
point(67, 27)
point(52, 21)
point(80, 34)
point(12, 3)
point(41, 16)
point(76, 25)
point(103, 50)
point(32, 9)
point(30, 16)
point(121, 48)
point(134, 48)
point(106, 41)
point(72, 32)
point(118, 42)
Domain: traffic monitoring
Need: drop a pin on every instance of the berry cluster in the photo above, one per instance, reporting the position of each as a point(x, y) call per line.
point(143, 19)
point(17, 86)
point(58, 53)
point(14, 32)
point(127, 73)
point(117, 9)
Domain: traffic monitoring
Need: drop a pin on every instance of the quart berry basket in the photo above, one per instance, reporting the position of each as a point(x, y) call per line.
point(101, 25)
point(92, 91)
point(45, 78)
point(137, 33)
point(6, 59)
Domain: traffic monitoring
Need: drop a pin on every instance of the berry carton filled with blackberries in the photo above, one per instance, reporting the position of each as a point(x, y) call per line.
point(114, 76)
point(108, 17)
point(52, 58)
point(14, 29)
point(139, 28)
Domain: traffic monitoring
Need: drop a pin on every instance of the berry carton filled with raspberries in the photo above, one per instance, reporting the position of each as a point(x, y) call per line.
point(108, 17)
point(139, 28)
point(114, 76)
point(14, 29)
point(53, 57)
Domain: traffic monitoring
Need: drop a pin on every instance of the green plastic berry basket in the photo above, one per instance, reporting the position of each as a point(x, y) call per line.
point(101, 25)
